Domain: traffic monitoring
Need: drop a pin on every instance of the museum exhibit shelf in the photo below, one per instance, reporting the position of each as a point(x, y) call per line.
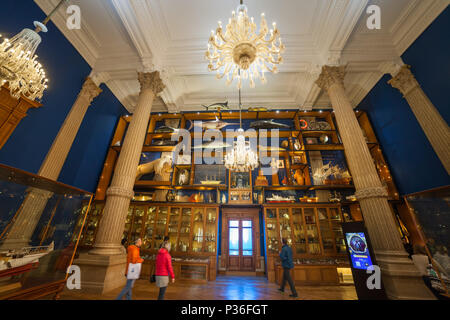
point(312, 230)
point(41, 222)
point(310, 194)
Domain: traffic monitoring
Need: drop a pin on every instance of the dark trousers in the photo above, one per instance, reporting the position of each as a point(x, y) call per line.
point(162, 292)
point(287, 277)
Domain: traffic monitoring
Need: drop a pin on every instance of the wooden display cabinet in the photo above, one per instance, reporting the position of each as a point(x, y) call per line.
point(240, 187)
point(312, 230)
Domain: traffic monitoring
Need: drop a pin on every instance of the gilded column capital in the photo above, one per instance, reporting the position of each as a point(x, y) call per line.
point(152, 81)
point(404, 80)
point(90, 90)
point(331, 75)
point(375, 192)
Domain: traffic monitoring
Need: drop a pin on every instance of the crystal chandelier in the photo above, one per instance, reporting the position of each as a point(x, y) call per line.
point(19, 67)
point(242, 48)
point(241, 158)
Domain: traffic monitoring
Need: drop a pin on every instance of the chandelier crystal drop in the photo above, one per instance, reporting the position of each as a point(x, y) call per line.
point(241, 158)
point(19, 67)
point(242, 48)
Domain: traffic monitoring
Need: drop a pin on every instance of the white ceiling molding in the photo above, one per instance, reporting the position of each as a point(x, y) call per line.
point(118, 38)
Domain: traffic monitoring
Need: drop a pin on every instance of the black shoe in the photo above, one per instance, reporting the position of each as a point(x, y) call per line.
point(281, 290)
point(293, 295)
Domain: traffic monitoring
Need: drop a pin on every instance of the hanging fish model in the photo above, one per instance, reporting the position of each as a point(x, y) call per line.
point(212, 125)
point(166, 129)
point(217, 106)
point(268, 124)
point(212, 145)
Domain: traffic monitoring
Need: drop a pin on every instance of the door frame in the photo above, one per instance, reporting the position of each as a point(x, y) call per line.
point(241, 213)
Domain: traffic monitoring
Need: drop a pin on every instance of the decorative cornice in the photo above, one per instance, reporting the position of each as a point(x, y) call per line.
point(404, 80)
point(90, 90)
point(120, 192)
point(368, 193)
point(330, 76)
point(152, 81)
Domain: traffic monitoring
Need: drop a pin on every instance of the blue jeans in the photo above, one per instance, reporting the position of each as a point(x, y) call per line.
point(127, 290)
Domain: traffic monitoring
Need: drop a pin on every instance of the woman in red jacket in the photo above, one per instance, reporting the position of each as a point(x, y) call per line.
point(163, 269)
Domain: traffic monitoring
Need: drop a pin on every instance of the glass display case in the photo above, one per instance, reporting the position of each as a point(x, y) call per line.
point(311, 230)
point(240, 188)
point(209, 175)
point(41, 222)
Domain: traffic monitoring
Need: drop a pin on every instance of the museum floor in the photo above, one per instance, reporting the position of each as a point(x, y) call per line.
point(225, 288)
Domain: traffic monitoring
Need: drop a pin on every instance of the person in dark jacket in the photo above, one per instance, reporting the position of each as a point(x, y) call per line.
point(287, 263)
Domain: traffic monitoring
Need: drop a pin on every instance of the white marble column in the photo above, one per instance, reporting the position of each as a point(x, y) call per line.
point(399, 275)
point(432, 123)
point(120, 192)
point(34, 204)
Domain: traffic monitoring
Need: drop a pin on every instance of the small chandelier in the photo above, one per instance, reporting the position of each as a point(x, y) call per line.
point(241, 158)
point(242, 49)
point(19, 67)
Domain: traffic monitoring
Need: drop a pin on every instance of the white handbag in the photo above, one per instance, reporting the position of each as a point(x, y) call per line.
point(134, 271)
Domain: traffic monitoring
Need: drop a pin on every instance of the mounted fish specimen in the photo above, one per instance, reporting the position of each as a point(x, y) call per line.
point(268, 124)
point(258, 109)
point(211, 125)
point(270, 148)
point(164, 142)
point(166, 129)
point(217, 106)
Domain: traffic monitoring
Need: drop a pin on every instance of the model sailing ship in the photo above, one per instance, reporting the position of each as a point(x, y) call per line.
point(17, 261)
point(279, 199)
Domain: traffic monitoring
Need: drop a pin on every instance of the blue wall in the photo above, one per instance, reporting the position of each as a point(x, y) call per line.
point(413, 162)
point(66, 70)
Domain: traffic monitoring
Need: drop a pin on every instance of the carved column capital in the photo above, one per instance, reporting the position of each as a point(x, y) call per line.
point(90, 90)
point(152, 81)
point(404, 80)
point(375, 192)
point(120, 192)
point(330, 76)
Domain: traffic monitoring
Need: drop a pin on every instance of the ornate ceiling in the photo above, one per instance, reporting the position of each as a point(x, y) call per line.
point(119, 37)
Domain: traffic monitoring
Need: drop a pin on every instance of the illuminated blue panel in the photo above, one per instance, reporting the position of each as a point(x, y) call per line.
point(234, 241)
point(247, 243)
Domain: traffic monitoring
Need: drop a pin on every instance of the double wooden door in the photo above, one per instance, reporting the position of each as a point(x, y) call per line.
point(241, 244)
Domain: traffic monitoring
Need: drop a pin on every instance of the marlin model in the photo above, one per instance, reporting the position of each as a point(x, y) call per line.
point(212, 125)
point(217, 106)
point(212, 145)
point(268, 124)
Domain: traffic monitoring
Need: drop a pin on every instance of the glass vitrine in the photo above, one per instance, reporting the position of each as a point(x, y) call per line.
point(210, 230)
point(298, 231)
point(272, 233)
point(312, 231)
point(172, 230)
point(240, 187)
point(149, 228)
point(325, 230)
point(285, 224)
point(198, 230)
point(128, 223)
point(185, 230)
point(161, 223)
point(138, 220)
point(336, 221)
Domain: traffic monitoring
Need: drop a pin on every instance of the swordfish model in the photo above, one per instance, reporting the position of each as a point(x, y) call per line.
point(268, 124)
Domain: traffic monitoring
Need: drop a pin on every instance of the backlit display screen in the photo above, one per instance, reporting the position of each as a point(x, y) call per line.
point(359, 250)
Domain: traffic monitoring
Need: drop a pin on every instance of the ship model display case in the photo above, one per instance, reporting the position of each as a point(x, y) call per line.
point(41, 222)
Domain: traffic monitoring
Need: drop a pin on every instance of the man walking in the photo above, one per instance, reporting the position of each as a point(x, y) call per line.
point(132, 257)
point(287, 263)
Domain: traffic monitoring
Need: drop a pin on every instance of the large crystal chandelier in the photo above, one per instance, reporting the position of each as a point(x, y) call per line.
point(242, 48)
point(241, 158)
point(19, 67)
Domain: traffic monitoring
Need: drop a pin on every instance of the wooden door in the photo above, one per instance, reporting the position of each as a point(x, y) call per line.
point(241, 244)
